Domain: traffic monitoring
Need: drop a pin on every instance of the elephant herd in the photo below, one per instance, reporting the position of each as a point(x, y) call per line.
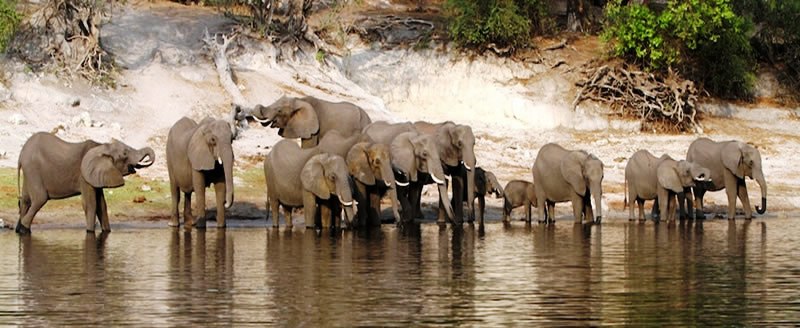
point(346, 163)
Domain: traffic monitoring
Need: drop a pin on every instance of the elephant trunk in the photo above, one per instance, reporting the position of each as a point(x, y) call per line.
point(345, 194)
point(759, 177)
point(388, 178)
point(597, 192)
point(146, 157)
point(263, 115)
point(470, 192)
point(227, 166)
point(448, 208)
point(349, 214)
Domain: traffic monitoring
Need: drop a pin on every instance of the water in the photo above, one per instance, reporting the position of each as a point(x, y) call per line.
point(714, 273)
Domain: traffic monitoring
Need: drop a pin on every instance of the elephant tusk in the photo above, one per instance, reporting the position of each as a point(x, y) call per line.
point(146, 161)
point(401, 184)
point(219, 160)
point(260, 120)
point(467, 166)
point(438, 181)
point(387, 183)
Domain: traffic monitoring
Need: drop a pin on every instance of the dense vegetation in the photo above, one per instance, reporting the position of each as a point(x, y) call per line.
point(498, 23)
point(9, 19)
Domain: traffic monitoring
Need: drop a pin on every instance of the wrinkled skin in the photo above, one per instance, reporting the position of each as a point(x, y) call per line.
point(456, 144)
point(519, 193)
point(309, 118)
point(384, 132)
point(370, 164)
point(562, 175)
point(55, 169)
point(199, 155)
point(730, 162)
point(485, 183)
point(662, 179)
point(416, 160)
point(310, 179)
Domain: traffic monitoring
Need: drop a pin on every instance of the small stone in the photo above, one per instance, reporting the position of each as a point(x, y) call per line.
point(17, 119)
point(139, 199)
point(82, 119)
point(146, 188)
point(75, 102)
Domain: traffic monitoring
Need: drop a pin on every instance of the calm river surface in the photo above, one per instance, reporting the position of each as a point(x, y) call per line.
point(714, 273)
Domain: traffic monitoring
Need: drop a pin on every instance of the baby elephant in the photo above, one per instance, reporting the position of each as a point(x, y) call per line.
point(519, 193)
point(54, 169)
point(648, 177)
point(485, 183)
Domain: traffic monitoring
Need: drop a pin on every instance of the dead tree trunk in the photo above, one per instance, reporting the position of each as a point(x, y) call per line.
point(239, 105)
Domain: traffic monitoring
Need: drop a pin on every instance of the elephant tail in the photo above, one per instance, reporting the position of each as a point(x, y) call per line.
point(19, 190)
point(625, 188)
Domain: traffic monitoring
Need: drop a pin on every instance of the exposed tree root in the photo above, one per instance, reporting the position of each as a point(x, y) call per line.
point(666, 104)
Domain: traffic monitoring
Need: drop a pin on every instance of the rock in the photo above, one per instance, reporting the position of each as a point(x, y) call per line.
point(17, 119)
point(75, 102)
point(82, 119)
point(139, 199)
point(146, 188)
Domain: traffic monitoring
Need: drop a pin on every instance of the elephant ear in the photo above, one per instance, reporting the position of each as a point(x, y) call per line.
point(199, 152)
point(97, 168)
point(303, 122)
point(732, 158)
point(403, 158)
point(669, 177)
point(492, 180)
point(313, 178)
point(572, 170)
point(450, 141)
point(358, 164)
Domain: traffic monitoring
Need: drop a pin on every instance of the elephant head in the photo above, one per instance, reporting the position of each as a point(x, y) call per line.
point(681, 175)
point(413, 153)
point(490, 182)
point(210, 147)
point(371, 162)
point(325, 175)
point(744, 160)
point(584, 172)
point(293, 117)
point(105, 165)
point(456, 144)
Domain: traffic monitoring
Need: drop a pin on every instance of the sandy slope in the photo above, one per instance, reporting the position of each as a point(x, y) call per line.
point(514, 108)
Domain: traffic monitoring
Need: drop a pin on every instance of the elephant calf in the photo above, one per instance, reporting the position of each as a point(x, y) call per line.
point(55, 169)
point(648, 177)
point(199, 155)
point(519, 193)
point(485, 183)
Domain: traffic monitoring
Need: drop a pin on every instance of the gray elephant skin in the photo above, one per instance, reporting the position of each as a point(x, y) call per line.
point(519, 193)
point(562, 175)
point(199, 155)
point(662, 179)
point(456, 145)
point(309, 118)
point(485, 183)
point(307, 178)
point(55, 169)
point(730, 162)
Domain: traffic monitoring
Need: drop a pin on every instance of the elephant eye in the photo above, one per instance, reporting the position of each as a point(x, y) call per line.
point(424, 154)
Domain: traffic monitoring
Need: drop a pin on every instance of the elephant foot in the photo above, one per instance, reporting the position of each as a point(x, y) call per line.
point(642, 220)
point(200, 224)
point(731, 219)
point(174, 223)
point(22, 230)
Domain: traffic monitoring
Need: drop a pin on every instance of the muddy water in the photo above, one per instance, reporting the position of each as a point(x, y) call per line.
point(719, 273)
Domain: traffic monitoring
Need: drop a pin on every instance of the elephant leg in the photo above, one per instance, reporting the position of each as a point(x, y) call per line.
point(335, 215)
point(415, 198)
point(276, 215)
point(681, 203)
point(89, 202)
point(698, 203)
point(664, 204)
point(577, 208)
point(374, 217)
point(458, 197)
point(631, 216)
point(287, 216)
point(310, 209)
point(655, 213)
point(102, 211)
point(506, 211)
point(742, 192)
point(640, 205)
point(175, 197)
point(188, 217)
point(550, 215)
point(528, 212)
point(671, 205)
point(326, 214)
point(689, 203)
point(364, 203)
point(24, 223)
point(199, 184)
point(731, 192)
point(219, 190)
point(481, 208)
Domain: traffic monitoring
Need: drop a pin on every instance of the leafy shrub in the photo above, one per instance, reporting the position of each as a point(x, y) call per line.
point(504, 23)
point(704, 38)
point(9, 19)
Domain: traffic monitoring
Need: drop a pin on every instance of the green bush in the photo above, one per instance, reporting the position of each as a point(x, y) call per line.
point(505, 23)
point(704, 39)
point(9, 19)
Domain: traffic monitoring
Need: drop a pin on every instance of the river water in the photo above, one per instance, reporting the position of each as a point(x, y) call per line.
point(713, 273)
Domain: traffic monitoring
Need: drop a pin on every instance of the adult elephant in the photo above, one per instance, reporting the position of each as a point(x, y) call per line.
point(456, 145)
point(307, 178)
point(370, 164)
point(199, 155)
point(661, 178)
point(55, 169)
point(729, 162)
point(562, 175)
point(310, 118)
point(416, 158)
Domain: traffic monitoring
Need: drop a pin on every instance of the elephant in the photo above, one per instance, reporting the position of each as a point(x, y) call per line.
point(660, 178)
point(456, 144)
point(309, 118)
point(729, 162)
point(416, 159)
point(384, 132)
point(55, 169)
point(561, 175)
point(307, 178)
point(370, 164)
point(199, 155)
point(519, 193)
point(485, 183)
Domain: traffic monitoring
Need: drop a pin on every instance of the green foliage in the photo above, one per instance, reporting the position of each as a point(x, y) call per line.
point(9, 19)
point(704, 38)
point(504, 23)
